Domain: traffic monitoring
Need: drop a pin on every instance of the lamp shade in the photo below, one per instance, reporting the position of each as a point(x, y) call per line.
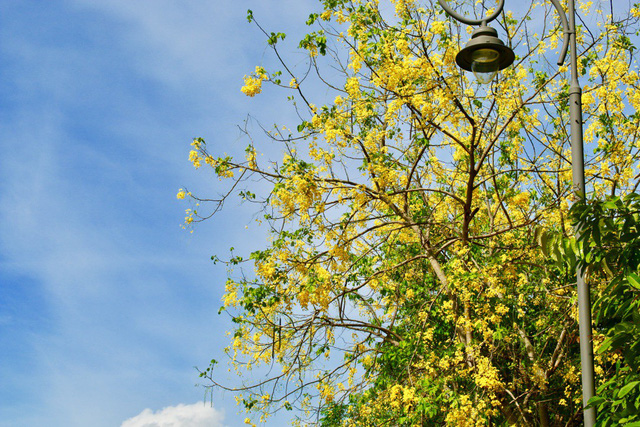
point(485, 54)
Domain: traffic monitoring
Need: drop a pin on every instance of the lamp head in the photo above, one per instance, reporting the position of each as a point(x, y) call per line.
point(485, 54)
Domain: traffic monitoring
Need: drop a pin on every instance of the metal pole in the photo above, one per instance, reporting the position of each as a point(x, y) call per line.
point(577, 167)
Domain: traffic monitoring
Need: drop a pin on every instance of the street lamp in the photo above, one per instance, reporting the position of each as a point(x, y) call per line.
point(485, 55)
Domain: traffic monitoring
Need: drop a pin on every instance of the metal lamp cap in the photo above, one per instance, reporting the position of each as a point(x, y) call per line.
point(485, 49)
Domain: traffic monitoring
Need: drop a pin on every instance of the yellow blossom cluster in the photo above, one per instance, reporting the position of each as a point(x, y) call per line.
point(253, 83)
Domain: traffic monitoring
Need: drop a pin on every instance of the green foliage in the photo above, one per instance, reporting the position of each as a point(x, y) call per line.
point(610, 249)
point(315, 40)
point(273, 38)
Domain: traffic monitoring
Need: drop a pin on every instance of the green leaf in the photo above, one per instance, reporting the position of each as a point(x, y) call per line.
point(557, 253)
point(605, 345)
point(544, 243)
point(634, 280)
point(627, 388)
point(595, 401)
point(570, 255)
point(537, 235)
point(595, 230)
point(273, 38)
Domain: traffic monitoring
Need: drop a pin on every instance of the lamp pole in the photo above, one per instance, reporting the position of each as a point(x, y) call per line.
point(485, 55)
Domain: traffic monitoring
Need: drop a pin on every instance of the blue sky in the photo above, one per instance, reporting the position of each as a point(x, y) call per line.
point(106, 304)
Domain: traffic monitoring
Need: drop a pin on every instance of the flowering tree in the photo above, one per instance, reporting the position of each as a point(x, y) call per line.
point(403, 283)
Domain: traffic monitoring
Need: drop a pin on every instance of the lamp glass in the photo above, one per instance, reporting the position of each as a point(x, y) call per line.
point(485, 64)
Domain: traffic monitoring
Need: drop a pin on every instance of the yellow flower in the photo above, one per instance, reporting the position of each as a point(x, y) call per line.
point(521, 199)
point(181, 194)
point(194, 157)
point(437, 27)
point(367, 361)
point(252, 86)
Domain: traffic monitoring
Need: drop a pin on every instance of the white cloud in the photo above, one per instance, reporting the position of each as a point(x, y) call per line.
point(196, 415)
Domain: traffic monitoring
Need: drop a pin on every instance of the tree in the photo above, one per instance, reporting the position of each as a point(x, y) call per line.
point(610, 251)
point(404, 283)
